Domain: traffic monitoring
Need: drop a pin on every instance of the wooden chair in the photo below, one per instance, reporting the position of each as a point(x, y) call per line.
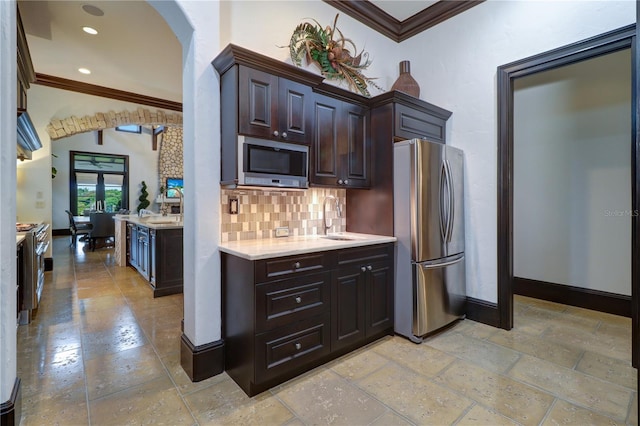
point(103, 227)
point(77, 229)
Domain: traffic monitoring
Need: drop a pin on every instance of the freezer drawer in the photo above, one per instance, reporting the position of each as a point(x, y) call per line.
point(439, 295)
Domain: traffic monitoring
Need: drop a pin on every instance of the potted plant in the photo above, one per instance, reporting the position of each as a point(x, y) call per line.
point(144, 202)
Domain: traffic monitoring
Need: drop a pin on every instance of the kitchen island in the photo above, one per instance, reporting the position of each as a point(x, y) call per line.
point(153, 246)
point(291, 304)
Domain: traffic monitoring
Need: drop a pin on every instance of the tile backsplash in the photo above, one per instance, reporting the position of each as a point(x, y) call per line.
point(261, 212)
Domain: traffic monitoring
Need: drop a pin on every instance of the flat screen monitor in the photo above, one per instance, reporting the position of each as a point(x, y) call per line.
point(174, 183)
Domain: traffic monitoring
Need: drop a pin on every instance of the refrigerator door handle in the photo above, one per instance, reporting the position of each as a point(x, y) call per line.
point(435, 264)
point(452, 199)
point(444, 211)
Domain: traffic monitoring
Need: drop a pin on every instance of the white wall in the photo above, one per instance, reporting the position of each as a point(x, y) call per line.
point(455, 64)
point(263, 26)
point(572, 175)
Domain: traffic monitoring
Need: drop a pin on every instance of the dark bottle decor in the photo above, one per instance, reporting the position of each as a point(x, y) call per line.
point(405, 82)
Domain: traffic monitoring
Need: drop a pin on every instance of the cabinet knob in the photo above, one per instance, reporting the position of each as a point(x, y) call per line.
point(298, 299)
point(276, 133)
point(363, 269)
point(298, 346)
point(346, 181)
point(369, 268)
point(296, 265)
point(340, 182)
point(284, 135)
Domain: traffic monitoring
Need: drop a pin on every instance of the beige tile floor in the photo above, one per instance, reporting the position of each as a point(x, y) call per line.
point(102, 351)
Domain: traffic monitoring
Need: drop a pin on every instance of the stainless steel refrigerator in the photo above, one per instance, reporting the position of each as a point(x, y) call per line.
point(430, 290)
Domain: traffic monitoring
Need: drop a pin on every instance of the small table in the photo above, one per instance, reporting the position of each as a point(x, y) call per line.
point(82, 219)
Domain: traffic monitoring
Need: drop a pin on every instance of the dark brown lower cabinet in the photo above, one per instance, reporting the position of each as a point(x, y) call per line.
point(157, 255)
point(286, 315)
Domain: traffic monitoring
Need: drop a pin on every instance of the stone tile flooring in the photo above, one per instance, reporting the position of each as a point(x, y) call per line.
point(102, 351)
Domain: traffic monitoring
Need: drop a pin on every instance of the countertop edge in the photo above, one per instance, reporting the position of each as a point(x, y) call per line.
point(323, 245)
point(137, 221)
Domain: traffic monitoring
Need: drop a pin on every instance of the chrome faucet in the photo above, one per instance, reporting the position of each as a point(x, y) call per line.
point(328, 224)
point(181, 195)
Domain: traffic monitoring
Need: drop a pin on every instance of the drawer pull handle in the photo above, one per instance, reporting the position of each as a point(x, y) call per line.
point(298, 346)
point(296, 265)
point(363, 269)
point(298, 299)
point(369, 268)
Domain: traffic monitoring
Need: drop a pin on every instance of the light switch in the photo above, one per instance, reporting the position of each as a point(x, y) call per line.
point(233, 205)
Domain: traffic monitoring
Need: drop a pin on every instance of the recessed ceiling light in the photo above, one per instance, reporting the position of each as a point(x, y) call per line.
point(90, 30)
point(92, 10)
point(84, 70)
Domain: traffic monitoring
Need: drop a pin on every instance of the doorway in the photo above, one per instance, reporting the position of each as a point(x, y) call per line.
point(98, 182)
point(610, 42)
point(572, 184)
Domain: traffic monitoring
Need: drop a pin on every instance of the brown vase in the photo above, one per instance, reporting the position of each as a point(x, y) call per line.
point(405, 83)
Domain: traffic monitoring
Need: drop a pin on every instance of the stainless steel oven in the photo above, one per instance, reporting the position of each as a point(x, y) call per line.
point(36, 244)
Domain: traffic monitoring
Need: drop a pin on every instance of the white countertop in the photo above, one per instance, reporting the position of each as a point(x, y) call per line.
point(287, 246)
point(153, 222)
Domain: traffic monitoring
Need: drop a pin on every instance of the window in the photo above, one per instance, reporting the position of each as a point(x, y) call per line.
point(130, 128)
point(98, 182)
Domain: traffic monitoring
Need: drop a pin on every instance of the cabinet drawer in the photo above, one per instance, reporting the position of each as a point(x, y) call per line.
point(410, 124)
point(282, 267)
point(369, 254)
point(283, 302)
point(287, 348)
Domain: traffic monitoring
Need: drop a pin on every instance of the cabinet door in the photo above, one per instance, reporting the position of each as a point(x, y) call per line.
point(133, 245)
point(152, 256)
point(347, 308)
point(379, 296)
point(325, 169)
point(410, 124)
point(294, 112)
point(257, 102)
point(355, 150)
point(143, 252)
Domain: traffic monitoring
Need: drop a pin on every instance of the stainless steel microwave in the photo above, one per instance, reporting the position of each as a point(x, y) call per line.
point(268, 163)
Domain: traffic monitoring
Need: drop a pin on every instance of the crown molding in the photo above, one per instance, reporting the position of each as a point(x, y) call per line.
point(379, 20)
point(105, 92)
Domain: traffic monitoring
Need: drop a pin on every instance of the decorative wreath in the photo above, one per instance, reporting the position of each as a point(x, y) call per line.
point(333, 57)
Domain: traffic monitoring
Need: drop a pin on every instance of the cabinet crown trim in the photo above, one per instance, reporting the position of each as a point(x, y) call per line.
point(402, 98)
point(236, 55)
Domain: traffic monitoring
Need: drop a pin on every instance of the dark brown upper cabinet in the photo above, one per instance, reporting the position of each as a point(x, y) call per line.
point(274, 108)
point(340, 151)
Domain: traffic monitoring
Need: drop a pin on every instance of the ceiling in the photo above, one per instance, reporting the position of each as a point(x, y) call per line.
point(146, 58)
point(402, 10)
